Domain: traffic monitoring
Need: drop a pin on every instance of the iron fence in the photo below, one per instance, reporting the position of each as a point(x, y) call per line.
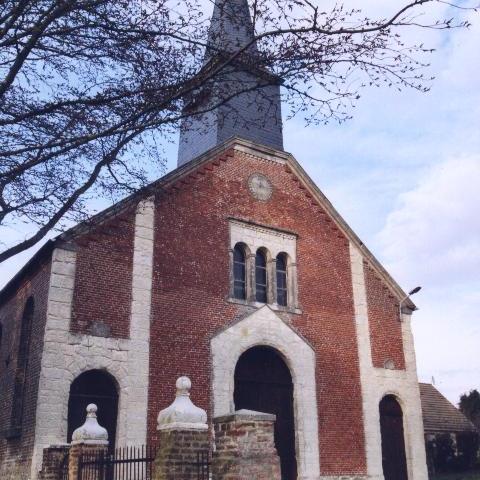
point(127, 463)
point(133, 463)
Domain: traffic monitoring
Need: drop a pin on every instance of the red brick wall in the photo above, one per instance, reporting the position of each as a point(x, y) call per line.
point(103, 279)
point(384, 320)
point(15, 454)
point(191, 275)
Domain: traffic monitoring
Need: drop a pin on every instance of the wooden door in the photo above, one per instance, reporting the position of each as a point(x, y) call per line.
point(394, 460)
point(263, 383)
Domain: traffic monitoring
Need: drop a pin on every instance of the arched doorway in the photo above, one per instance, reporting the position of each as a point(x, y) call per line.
point(93, 386)
point(394, 460)
point(263, 383)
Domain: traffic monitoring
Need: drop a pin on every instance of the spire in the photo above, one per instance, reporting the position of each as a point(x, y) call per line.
point(231, 28)
point(243, 101)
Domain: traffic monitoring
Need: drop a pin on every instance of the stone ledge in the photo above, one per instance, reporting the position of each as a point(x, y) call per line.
point(246, 416)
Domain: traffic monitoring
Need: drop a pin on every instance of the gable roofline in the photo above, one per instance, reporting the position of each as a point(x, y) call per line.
point(351, 235)
point(287, 158)
point(35, 260)
point(233, 143)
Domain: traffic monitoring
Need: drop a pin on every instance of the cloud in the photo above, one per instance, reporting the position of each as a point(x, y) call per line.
point(432, 238)
point(405, 174)
point(435, 228)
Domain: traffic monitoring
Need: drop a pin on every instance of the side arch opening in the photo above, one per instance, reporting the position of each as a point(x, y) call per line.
point(99, 387)
point(394, 460)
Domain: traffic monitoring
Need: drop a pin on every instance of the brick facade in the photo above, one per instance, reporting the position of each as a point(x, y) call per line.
point(190, 304)
point(16, 450)
point(384, 321)
point(101, 303)
point(191, 284)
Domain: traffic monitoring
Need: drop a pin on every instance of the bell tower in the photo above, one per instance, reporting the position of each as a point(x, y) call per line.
point(242, 99)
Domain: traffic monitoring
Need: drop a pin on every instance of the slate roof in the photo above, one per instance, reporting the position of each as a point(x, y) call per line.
point(439, 415)
point(230, 29)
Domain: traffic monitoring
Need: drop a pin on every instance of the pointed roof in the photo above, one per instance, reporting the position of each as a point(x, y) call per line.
point(243, 99)
point(231, 29)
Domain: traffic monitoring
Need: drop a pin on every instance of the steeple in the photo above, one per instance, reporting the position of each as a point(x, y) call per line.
point(231, 29)
point(243, 100)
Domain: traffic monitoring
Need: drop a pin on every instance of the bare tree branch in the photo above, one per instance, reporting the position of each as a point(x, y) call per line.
point(90, 90)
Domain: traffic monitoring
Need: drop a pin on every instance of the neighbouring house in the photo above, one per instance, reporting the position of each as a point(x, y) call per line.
point(451, 440)
point(235, 270)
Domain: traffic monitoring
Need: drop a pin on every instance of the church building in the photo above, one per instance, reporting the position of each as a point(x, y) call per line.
point(235, 270)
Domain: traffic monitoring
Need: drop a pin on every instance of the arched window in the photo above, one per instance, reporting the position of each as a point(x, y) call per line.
point(239, 272)
point(21, 370)
point(98, 387)
point(282, 295)
point(261, 276)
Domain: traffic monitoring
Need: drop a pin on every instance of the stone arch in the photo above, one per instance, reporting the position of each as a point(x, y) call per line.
point(265, 328)
point(84, 361)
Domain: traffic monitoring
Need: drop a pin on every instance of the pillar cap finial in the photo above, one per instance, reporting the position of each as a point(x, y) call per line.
point(182, 414)
point(90, 432)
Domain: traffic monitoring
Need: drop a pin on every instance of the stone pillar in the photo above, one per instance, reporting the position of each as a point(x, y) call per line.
point(183, 437)
point(245, 448)
point(87, 439)
point(272, 280)
point(251, 281)
point(55, 458)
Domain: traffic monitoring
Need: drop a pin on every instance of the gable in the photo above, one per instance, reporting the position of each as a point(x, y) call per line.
point(184, 177)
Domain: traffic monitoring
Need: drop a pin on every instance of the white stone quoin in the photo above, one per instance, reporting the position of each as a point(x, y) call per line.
point(378, 382)
point(90, 432)
point(66, 355)
point(182, 414)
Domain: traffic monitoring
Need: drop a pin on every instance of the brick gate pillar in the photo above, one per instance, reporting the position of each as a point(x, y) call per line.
point(183, 437)
point(89, 438)
point(244, 447)
point(54, 459)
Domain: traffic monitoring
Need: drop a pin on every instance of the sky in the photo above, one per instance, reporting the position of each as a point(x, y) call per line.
point(405, 174)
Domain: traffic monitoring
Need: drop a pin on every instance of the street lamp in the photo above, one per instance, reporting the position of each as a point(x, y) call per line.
point(410, 293)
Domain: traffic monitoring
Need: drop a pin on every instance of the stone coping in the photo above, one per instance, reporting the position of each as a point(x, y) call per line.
point(246, 416)
point(182, 426)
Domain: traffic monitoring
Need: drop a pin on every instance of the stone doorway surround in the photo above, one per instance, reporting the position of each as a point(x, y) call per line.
point(264, 327)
